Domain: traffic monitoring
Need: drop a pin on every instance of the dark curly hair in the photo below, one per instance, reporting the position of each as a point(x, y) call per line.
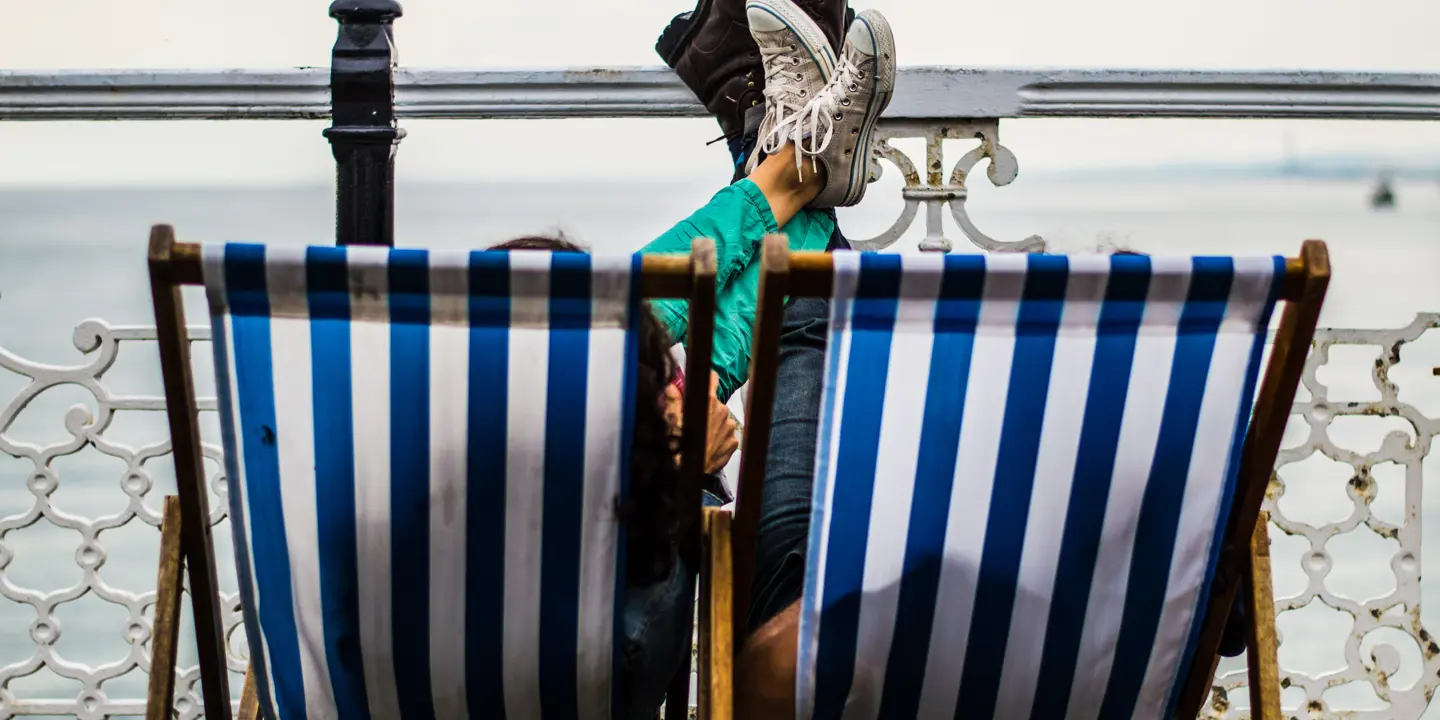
point(654, 515)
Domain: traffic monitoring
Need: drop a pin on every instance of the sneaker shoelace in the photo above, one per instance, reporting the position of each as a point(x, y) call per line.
point(813, 127)
point(818, 118)
point(789, 101)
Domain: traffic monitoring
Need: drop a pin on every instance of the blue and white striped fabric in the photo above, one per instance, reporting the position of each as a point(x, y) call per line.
point(424, 453)
point(1024, 467)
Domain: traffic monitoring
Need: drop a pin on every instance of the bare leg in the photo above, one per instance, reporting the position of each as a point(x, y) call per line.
point(765, 670)
point(787, 189)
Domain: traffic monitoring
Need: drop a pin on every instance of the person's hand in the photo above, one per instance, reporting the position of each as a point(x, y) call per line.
point(723, 438)
point(674, 412)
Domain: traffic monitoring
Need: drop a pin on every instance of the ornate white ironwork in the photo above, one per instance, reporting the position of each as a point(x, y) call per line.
point(1398, 609)
point(101, 343)
point(935, 191)
point(921, 92)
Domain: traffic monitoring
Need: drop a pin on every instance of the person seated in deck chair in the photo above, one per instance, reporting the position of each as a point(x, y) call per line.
point(808, 152)
point(661, 559)
point(723, 69)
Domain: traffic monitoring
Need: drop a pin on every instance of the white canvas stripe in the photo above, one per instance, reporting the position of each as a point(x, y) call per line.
point(295, 445)
point(610, 283)
point(604, 402)
point(837, 369)
point(1204, 487)
point(1139, 431)
point(212, 267)
point(370, 403)
point(1054, 473)
point(449, 437)
point(524, 489)
point(899, 445)
point(985, 400)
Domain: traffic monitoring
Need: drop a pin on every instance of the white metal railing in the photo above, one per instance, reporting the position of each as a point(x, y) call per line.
point(921, 93)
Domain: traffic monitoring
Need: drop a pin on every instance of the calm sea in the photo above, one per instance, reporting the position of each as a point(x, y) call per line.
point(69, 255)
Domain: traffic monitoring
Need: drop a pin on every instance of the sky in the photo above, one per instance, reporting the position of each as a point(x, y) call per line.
point(1387, 35)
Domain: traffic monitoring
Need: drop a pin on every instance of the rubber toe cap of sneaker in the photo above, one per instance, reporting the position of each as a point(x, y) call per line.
point(861, 37)
point(762, 20)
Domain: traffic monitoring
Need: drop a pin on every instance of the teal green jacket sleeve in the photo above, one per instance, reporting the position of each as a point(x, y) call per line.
point(737, 218)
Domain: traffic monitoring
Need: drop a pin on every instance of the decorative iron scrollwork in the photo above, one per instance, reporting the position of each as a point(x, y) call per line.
point(935, 191)
point(1397, 610)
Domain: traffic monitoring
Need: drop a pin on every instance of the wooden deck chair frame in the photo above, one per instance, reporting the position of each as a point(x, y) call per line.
point(186, 540)
point(1244, 563)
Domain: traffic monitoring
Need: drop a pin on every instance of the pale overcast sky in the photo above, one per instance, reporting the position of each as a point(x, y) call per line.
point(1392, 35)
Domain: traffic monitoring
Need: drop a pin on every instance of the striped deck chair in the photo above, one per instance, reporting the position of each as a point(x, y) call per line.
point(424, 454)
point(1038, 479)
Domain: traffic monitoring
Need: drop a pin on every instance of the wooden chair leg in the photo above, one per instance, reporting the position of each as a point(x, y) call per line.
point(249, 700)
point(759, 410)
point(717, 635)
point(160, 700)
point(698, 351)
point(1261, 643)
point(190, 476)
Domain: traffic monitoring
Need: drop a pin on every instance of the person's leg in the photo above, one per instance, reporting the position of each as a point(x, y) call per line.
point(835, 128)
point(737, 218)
point(655, 642)
point(784, 527)
point(766, 664)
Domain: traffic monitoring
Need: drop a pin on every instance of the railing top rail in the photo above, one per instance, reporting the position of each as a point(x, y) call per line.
point(923, 92)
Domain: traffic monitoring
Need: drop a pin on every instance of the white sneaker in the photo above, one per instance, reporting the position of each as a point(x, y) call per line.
point(798, 63)
point(840, 120)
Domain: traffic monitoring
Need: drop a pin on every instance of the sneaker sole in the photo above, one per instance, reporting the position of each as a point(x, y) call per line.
point(677, 35)
point(883, 89)
point(804, 28)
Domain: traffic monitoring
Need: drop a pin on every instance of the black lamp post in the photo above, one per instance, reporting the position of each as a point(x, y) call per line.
point(363, 134)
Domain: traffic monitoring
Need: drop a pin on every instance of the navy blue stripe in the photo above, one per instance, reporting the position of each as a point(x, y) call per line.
point(328, 294)
point(1041, 306)
point(410, 478)
point(1165, 489)
point(872, 325)
point(564, 492)
point(956, 313)
point(629, 401)
point(255, 388)
point(1118, 327)
point(247, 292)
point(1232, 474)
point(487, 439)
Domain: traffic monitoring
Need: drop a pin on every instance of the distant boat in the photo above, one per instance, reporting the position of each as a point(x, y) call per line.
point(1384, 197)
